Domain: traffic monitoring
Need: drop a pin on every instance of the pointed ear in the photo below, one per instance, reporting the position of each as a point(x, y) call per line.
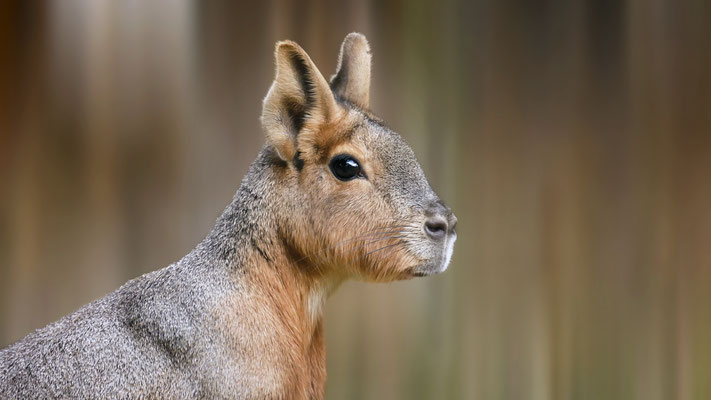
point(299, 99)
point(352, 79)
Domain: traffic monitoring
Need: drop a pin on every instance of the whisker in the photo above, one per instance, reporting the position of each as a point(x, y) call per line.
point(363, 237)
point(360, 245)
point(378, 231)
point(383, 248)
point(378, 234)
point(384, 238)
point(366, 239)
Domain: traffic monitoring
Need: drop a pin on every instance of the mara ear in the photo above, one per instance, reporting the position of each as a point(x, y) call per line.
point(352, 79)
point(298, 100)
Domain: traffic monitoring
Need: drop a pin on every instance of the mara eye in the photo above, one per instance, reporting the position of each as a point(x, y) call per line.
point(345, 167)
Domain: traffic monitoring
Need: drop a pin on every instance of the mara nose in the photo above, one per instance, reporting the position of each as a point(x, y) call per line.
point(440, 221)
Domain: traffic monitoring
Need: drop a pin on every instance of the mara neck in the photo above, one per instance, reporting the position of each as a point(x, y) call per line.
point(250, 241)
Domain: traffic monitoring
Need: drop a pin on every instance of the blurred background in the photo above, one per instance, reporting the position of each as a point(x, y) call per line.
point(572, 138)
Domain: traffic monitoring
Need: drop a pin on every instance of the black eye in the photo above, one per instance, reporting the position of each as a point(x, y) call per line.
point(345, 167)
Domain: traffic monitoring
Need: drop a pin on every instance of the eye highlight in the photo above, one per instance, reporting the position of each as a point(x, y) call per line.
point(345, 167)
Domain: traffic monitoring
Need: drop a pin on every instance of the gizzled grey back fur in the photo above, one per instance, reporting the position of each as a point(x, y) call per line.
point(152, 335)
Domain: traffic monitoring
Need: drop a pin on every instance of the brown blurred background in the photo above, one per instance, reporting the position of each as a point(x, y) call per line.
point(572, 138)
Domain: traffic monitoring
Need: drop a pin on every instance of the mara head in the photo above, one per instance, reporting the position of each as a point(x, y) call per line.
point(352, 196)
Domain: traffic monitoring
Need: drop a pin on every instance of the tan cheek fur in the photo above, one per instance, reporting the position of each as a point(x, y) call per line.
point(355, 242)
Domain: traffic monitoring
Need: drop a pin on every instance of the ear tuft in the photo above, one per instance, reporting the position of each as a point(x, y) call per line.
point(352, 79)
point(299, 96)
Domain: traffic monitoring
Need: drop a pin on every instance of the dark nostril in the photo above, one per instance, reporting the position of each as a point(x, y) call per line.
point(436, 227)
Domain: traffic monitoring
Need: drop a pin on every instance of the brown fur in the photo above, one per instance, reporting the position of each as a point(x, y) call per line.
point(292, 347)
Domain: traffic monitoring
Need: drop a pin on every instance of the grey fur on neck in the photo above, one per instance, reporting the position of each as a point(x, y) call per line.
point(155, 334)
point(246, 221)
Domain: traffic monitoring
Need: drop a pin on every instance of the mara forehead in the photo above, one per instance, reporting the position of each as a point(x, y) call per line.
point(358, 131)
point(369, 139)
